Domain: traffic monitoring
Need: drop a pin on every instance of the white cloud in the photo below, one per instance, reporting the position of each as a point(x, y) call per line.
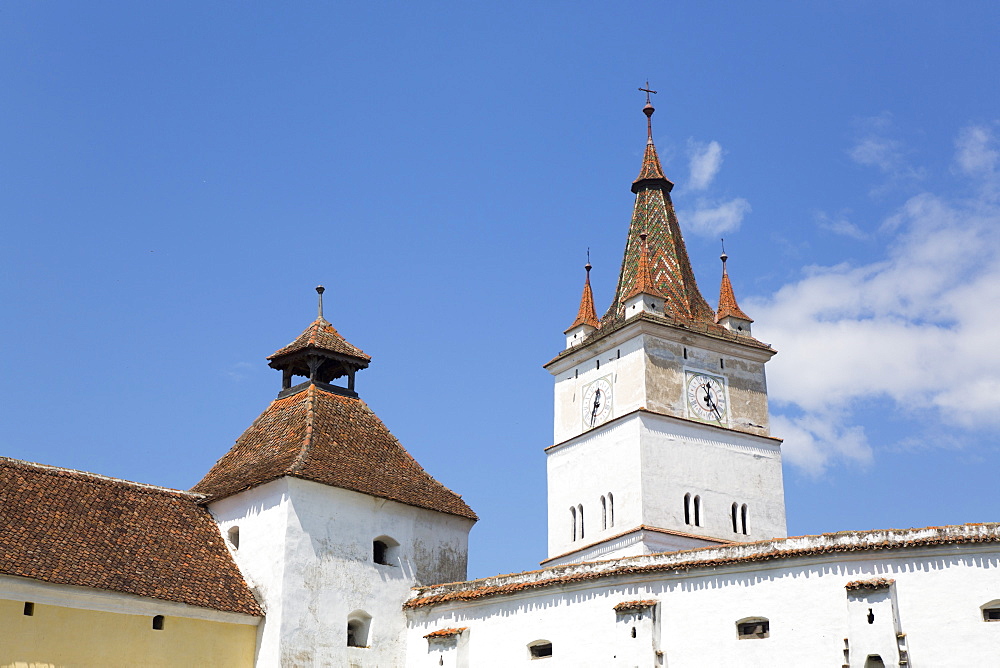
point(839, 225)
point(877, 148)
point(976, 153)
point(916, 331)
point(706, 160)
point(714, 218)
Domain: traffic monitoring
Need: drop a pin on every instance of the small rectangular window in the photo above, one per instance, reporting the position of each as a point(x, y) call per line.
point(158, 623)
point(758, 629)
point(29, 609)
point(989, 614)
point(541, 651)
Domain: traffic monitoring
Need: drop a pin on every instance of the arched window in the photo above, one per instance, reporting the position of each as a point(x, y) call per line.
point(540, 649)
point(385, 551)
point(358, 625)
point(234, 537)
point(611, 509)
point(753, 627)
point(158, 623)
point(604, 513)
point(687, 509)
point(874, 661)
point(991, 611)
point(579, 512)
point(697, 510)
point(735, 511)
point(572, 514)
point(743, 514)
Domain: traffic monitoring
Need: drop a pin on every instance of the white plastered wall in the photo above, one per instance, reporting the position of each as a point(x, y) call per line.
point(307, 548)
point(804, 600)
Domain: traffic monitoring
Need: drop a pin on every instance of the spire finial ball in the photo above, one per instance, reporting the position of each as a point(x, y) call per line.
point(320, 289)
point(648, 110)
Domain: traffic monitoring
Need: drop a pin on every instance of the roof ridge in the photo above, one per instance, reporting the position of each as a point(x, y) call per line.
point(307, 437)
point(56, 470)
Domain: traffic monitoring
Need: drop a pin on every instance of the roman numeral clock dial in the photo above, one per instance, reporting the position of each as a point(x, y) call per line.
point(596, 402)
point(706, 397)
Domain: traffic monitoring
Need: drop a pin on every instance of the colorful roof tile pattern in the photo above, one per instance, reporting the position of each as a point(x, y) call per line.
point(75, 528)
point(669, 267)
point(322, 335)
point(644, 284)
point(331, 439)
point(727, 300)
point(587, 314)
point(651, 169)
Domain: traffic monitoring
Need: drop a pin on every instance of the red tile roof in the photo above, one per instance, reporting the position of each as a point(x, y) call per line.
point(644, 281)
point(707, 557)
point(586, 315)
point(332, 439)
point(75, 528)
point(322, 335)
point(446, 633)
point(629, 606)
point(669, 267)
point(874, 583)
point(727, 300)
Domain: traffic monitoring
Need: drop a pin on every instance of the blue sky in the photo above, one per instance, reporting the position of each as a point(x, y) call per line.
point(178, 177)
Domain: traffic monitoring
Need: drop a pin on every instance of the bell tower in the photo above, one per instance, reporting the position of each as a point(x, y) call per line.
point(661, 437)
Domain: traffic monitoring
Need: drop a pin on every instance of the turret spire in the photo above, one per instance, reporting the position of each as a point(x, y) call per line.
point(730, 314)
point(586, 314)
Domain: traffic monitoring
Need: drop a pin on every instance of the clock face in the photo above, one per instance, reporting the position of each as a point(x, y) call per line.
point(597, 402)
point(706, 397)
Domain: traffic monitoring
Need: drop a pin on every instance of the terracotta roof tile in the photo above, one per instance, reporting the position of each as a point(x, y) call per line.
point(586, 315)
point(727, 300)
point(644, 283)
point(707, 557)
point(874, 583)
point(332, 439)
point(629, 606)
point(446, 633)
point(322, 335)
point(75, 528)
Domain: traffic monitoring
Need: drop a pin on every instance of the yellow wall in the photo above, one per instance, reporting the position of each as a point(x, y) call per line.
point(57, 636)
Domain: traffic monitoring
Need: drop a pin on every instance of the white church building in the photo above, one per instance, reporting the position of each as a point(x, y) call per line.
point(317, 540)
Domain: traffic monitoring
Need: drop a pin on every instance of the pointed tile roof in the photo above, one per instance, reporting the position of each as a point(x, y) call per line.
point(333, 439)
point(321, 335)
point(586, 315)
point(74, 528)
point(644, 279)
point(669, 268)
point(727, 300)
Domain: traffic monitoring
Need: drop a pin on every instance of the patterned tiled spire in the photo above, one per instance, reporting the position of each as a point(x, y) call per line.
point(586, 315)
point(669, 266)
point(644, 282)
point(727, 300)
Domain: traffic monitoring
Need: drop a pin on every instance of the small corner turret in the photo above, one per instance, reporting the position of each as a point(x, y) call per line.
point(586, 316)
point(729, 314)
point(321, 355)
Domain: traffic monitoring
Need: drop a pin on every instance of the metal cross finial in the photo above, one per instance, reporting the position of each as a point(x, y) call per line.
point(647, 91)
point(320, 290)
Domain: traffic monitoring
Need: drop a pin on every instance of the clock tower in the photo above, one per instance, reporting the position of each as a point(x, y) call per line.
point(661, 438)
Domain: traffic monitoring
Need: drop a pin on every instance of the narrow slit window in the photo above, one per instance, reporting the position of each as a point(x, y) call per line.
point(697, 511)
point(611, 509)
point(572, 514)
point(735, 525)
point(722, 363)
point(687, 509)
point(29, 609)
point(598, 364)
point(685, 353)
point(743, 515)
point(158, 623)
point(579, 510)
point(604, 513)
